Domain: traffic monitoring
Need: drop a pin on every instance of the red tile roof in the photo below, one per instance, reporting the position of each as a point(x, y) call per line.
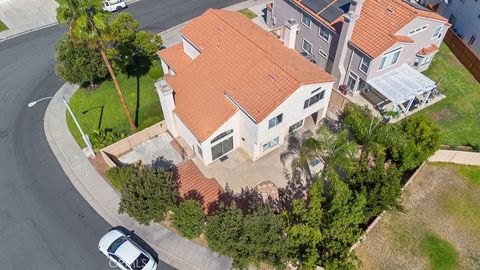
point(380, 20)
point(426, 51)
point(175, 57)
point(192, 181)
point(241, 60)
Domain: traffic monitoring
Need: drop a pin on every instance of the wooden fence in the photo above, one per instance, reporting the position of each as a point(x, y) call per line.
point(464, 53)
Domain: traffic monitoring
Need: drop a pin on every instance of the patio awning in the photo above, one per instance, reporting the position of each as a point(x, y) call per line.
point(402, 84)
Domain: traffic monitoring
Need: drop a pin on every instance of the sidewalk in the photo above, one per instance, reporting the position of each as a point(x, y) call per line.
point(171, 248)
point(459, 157)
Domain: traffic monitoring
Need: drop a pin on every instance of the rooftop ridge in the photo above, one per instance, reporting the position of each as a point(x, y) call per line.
point(264, 53)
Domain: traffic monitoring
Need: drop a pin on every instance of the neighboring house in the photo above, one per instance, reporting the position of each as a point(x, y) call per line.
point(231, 84)
point(464, 15)
point(361, 40)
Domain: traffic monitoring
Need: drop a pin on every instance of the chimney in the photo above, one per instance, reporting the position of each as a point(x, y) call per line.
point(348, 25)
point(290, 33)
point(165, 93)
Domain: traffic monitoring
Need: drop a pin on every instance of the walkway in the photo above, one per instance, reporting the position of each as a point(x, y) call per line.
point(459, 157)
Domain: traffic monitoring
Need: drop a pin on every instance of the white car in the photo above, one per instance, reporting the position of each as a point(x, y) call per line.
point(114, 5)
point(125, 253)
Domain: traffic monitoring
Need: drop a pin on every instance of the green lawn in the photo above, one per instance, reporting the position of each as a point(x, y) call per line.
point(441, 254)
point(248, 13)
point(457, 115)
point(101, 108)
point(3, 27)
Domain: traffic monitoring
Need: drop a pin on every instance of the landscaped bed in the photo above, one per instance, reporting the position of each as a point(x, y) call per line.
point(3, 27)
point(457, 115)
point(439, 227)
point(101, 108)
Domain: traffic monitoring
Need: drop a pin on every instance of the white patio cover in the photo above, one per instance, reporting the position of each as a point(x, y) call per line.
point(402, 84)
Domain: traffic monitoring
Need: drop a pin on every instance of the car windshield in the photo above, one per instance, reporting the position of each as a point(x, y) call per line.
point(140, 262)
point(116, 244)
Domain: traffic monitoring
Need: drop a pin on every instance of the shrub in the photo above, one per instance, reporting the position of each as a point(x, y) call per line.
point(155, 72)
point(148, 195)
point(106, 136)
point(189, 219)
point(118, 176)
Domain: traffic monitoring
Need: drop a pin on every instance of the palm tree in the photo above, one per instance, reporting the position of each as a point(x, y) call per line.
point(88, 23)
point(333, 149)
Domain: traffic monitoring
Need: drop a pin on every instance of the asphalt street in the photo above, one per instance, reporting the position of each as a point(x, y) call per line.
point(44, 222)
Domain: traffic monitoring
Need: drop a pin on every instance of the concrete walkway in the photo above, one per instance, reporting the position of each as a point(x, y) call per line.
point(459, 157)
point(171, 248)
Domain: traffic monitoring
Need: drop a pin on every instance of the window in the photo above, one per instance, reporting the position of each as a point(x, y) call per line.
point(427, 59)
point(438, 32)
point(307, 47)
point(417, 30)
point(295, 126)
point(199, 151)
point(364, 64)
point(322, 53)
point(352, 81)
point(271, 144)
point(324, 33)
point(275, 121)
point(390, 58)
point(222, 148)
point(309, 102)
point(306, 20)
point(417, 61)
point(221, 135)
point(116, 244)
point(472, 40)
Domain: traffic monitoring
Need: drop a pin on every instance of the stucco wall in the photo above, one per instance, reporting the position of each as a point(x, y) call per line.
point(467, 19)
point(189, 49)
point(284, 10)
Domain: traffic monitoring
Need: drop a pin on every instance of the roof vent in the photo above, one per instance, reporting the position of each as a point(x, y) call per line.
point(220, 29)
point(272, 77)
point(389, 10)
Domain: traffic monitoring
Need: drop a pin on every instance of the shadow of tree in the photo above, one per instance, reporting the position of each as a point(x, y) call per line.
point(165, 164)
point(194, 195)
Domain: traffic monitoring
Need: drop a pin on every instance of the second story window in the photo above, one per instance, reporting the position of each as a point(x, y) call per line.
point(364, 64)
point(438, 32)
point(390, 58)
point(316, 98)
point(324, 33)
point(275, 121)
point(306, 20)
point(307, 47)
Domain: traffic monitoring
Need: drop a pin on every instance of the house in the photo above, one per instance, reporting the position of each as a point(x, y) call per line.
point(377, 46)
point(464, 16)
point(230, 84)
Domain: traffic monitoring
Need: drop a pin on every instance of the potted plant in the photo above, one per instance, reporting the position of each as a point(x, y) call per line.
point(343, 88)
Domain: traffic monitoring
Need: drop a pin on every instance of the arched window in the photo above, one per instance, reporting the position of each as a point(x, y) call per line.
point(221, 135)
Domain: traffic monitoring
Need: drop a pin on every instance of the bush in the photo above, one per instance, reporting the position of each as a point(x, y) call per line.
point(148, 195)
point(155, 72)
point(106, 136)
point(118, 176)
point(189, 219)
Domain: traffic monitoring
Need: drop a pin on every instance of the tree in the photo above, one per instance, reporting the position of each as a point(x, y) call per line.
point(322, 226)
point(132, 50)
point(87, 23)
point(422, 138)
point(189, 219)
point(253, 238)
point(371, 132)
point(148, 195)
point(78, 63)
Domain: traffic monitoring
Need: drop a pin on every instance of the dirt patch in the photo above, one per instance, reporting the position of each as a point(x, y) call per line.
point(439, 201)
point(443, 115)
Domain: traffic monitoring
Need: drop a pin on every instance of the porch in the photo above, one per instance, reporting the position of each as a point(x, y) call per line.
point(403, 90)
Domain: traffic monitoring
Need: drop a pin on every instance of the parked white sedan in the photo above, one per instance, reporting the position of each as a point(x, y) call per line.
point(124, 253)
point(114, 5)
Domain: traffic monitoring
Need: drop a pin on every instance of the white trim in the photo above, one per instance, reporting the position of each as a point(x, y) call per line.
point(239, 107)
point(311, 46)
point(417, 30)
point(322, 53)
point(328, 32)
point(304, 15)
point(361, 64)
point(357, 80)
point(387, 54)
point(439, 32)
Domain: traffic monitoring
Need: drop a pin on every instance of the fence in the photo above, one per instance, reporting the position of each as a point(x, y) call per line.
point(111, 152)
point(463, 53)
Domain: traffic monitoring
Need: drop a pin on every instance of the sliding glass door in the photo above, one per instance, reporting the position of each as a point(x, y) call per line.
point(222, 148)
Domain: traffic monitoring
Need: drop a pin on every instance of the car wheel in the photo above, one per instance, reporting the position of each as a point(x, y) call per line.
point(119, 9)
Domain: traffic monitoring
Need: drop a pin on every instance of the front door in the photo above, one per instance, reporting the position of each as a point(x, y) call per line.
point(352, 82)
point(222, 148)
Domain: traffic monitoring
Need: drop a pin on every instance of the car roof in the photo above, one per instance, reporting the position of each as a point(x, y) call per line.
point(128, 252)
point(109, 238)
